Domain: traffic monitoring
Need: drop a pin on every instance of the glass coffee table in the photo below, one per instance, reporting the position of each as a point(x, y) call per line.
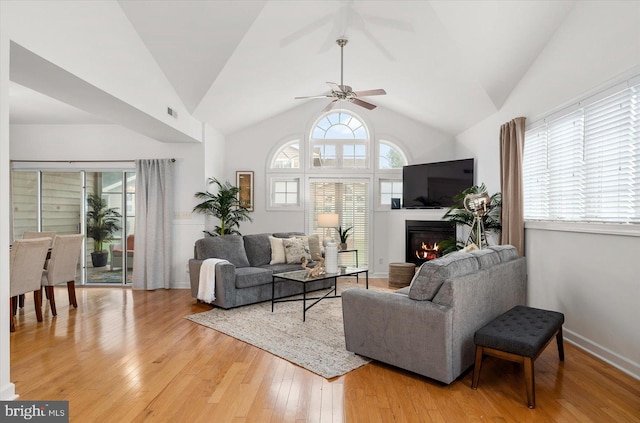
point(302, 276)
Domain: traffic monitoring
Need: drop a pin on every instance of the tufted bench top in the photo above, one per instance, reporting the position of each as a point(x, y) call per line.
point(522, 330)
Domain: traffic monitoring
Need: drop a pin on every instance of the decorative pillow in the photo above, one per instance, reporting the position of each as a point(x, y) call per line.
point(314, 247)
point(295, 249)
point(277, 250)
point(432, 274)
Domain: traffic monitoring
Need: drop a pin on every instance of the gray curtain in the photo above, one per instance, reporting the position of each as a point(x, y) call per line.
point(511, 155)
point(154, 204)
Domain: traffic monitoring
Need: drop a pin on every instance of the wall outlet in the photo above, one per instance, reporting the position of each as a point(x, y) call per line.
point(185, 215)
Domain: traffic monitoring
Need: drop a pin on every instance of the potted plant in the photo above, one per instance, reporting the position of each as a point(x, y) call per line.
point(224, 205)
point(344, 235)
point(102, 222)
point(458, 215)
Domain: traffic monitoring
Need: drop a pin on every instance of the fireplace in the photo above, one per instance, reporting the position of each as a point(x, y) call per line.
point(423, 237)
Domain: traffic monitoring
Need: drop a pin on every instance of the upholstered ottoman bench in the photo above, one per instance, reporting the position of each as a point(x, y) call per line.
point(519, 335)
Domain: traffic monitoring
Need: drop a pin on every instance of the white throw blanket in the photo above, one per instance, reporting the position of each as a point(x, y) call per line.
point(207, 283)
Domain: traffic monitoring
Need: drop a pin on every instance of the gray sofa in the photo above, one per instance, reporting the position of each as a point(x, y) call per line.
point(246, 279)
point(428, 327)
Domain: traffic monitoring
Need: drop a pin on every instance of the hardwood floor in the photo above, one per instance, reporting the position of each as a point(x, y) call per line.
point(130, 356)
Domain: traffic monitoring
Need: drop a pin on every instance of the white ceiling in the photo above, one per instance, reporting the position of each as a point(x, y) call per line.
point(448, 64)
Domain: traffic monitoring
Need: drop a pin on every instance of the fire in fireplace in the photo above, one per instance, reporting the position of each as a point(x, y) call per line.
point(423, 237)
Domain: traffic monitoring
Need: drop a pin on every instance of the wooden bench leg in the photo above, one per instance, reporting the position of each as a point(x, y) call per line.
point(530, 381)
point(476, 367)
point(560, 344)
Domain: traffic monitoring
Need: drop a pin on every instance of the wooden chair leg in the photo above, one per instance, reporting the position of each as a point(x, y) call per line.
point(560, 344)
point(530, 382)
point(37, 299)
point(71, 288)
point(476, 367)
point(14, 305)
point(12, 326)
point(52, 299)
point(21, 300)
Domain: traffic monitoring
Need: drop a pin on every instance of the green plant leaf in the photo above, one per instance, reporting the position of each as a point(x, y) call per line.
point(223, 205)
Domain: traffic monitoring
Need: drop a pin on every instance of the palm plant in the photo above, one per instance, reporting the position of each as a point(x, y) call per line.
point(458, 215)
point(223, 205)
point(102, 222)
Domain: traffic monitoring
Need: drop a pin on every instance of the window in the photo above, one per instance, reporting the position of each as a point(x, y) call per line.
point(287, 157)
point(350, 200)
point(285, 178)
point(339, 140)
point(389, 189)
point(285, 191)
point(390, 156)
point(585, 166)
point(391, 159)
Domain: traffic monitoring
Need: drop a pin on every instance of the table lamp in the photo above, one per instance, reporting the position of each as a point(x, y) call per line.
point(328, 220)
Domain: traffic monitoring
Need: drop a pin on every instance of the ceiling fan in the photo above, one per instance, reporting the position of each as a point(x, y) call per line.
point(345, 92)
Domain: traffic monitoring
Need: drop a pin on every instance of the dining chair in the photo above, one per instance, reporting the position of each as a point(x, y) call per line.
point(62, 268)
point(26, 263)
point(34, 234)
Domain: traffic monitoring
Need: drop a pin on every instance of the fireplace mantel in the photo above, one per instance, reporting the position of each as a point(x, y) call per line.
point(396, 229)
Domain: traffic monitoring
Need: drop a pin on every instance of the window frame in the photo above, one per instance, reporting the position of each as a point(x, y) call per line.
point(602, 224)
point(285, 177)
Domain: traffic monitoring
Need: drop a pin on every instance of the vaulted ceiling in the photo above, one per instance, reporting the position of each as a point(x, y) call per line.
point(447, 64)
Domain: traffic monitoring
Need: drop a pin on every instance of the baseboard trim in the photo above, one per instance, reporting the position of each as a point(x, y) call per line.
point(8, 392)
point(616, 360)
point(181, 285)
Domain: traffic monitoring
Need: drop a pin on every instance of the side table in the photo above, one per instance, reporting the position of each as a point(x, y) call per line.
point(352, 250)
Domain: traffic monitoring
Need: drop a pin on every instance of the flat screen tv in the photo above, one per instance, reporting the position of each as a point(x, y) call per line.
point(434, 185)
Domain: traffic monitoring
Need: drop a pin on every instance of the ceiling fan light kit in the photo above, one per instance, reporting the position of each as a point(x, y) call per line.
point(344, 92)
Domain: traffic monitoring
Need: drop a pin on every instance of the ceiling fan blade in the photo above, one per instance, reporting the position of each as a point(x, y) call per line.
point(363, 104)
point(334, 87)
point(365, 93)
point(315, 96)
point(330, 106)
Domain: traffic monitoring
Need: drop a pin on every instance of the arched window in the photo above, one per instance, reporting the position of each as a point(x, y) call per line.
point(390, 156)
point(288, 157)
point(339, 140)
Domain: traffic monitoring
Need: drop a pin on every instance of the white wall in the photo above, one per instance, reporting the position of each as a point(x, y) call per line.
point(95, 41)
point(588, 277)
point(250, 148)
point(112, 142)
point(7, 389)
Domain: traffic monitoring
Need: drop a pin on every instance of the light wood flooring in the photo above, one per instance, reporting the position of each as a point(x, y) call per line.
point(130, 356)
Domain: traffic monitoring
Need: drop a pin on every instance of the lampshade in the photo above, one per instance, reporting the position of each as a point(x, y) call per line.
point(328, 220)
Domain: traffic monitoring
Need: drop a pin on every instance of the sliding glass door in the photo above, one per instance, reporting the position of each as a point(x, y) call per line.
point(50, 200)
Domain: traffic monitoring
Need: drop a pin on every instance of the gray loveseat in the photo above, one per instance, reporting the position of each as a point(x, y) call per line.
point(428, 327)
point(246, 279)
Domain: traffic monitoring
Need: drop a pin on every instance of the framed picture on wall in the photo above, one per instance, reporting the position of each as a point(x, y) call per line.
point(244, 181)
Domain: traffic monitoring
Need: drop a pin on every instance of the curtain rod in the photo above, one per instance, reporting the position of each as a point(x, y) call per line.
point(78, 161)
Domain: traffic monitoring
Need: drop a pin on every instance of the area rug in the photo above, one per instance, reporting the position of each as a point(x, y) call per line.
point(317, 344)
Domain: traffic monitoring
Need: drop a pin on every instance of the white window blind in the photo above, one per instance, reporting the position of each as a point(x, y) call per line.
point(585, 166)
point(350, 200)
